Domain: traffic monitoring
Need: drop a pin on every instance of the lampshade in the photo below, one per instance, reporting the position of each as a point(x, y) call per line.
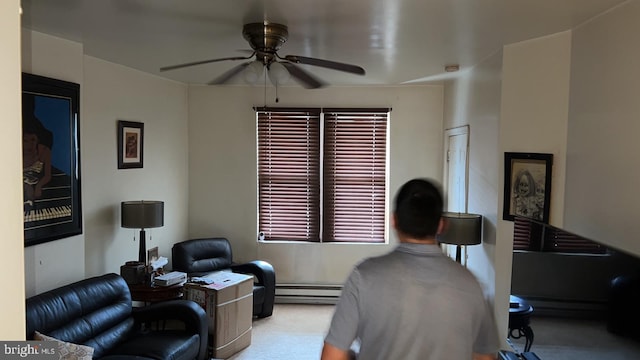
point(463, 229)
point(142, 214)
point(278, 74)
point(253, 72)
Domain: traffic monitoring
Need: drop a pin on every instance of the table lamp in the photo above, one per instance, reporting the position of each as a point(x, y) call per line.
point(463, 229)
point(142, 214)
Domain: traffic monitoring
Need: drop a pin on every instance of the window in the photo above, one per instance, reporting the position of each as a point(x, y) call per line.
point(322, 175)
point(536, 236)
point(289, 174)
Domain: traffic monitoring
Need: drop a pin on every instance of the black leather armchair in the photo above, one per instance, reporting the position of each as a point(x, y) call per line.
point(198, 257)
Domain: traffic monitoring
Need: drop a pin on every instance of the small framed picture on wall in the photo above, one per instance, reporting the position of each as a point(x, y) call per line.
point(130, 144)
point(527, 185)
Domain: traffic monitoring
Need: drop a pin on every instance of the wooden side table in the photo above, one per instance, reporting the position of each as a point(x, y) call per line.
point(148, 294)
point(151, 294)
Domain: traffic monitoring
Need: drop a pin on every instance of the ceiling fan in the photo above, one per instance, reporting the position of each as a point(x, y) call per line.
point(265, 40)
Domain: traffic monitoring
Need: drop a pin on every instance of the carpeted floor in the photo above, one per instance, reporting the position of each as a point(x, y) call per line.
point(293, 332)
point(296, 332)
point(575, 339)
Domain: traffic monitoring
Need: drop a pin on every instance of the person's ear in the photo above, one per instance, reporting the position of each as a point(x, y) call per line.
point(443, 225)
point(394, 221)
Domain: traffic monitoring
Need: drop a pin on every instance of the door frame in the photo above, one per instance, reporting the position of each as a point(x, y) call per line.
point(448, 133)
point(450, 250)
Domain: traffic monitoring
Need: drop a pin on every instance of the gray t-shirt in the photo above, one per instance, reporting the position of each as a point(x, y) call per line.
point(413, 303)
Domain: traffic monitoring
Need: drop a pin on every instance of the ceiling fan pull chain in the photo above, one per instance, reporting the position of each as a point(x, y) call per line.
point(265, 89)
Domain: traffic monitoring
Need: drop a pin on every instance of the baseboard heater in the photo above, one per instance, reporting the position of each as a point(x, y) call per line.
point(307, 294)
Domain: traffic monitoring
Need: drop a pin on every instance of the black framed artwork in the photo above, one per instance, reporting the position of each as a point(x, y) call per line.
point(130, 144)
point(50, 159)
point(527, 185)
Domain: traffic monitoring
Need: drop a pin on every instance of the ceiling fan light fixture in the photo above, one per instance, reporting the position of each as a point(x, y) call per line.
point(278, 74)
point(253, 72)
point(265, 39)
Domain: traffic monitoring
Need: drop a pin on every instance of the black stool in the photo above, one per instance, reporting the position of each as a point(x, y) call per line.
point(519, 316)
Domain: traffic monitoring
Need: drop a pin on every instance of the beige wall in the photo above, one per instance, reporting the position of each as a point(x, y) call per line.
point(602, 146)
point(474, 99)
point(515, 100)
point(535, 103)
point(223, 185)
point(110, 92)
point(12, 326)
point(60, 59)
point(533, 118)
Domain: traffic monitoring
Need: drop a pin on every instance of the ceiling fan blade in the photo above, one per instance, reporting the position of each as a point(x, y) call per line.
point(229, 74)
point(354, 69)
point(173, 67)
point(304, 78)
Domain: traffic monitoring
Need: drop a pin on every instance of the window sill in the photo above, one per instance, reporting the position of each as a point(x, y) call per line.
point(281, 242)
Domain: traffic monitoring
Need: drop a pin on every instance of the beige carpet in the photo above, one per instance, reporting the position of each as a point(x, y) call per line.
point(296, 332)
point(293, 332)
point(576, 339)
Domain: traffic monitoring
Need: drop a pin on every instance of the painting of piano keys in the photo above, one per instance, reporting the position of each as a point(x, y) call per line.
point(50, 153)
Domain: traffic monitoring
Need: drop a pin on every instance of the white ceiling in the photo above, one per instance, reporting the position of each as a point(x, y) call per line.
point(396, 41)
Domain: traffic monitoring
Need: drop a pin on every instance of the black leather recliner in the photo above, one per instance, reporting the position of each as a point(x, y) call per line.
point(198, 257)
point(97, 312)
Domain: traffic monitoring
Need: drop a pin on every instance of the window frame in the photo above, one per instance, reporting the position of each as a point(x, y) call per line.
point(303, 223)
point(376, 124)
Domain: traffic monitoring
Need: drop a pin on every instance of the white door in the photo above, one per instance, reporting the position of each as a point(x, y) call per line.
point(455, 174)
point(457, 150)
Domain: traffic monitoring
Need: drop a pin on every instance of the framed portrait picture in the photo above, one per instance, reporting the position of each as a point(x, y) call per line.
point(527, 185)
point(130, 144)
point(50, 159)
point(152, 254)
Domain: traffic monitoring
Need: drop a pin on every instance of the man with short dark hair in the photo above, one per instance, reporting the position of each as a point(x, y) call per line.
point(414, 302)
